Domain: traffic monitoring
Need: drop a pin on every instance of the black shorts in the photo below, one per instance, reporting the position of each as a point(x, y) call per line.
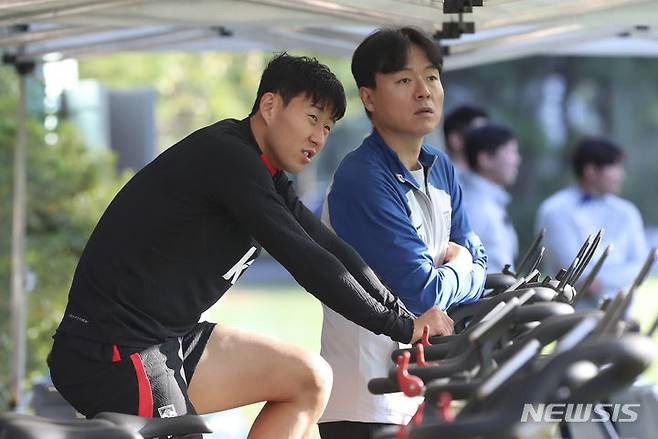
point(95, 377)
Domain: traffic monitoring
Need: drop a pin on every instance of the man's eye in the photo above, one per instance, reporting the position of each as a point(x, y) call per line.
point(314, 117)
point(328, 128)
point(404, 81)
point(433, 78)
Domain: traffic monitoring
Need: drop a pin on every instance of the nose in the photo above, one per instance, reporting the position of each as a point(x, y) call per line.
point(423, 90)
point(318, 137)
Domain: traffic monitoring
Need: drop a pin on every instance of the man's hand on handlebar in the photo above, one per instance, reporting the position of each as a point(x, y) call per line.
point(437, 320)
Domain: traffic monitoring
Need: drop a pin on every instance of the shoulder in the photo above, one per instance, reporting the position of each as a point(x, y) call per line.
point(226, 132)
point(623, 205)
point(563, 199)
point(363, 179)
point(226, 149)
point(219, 139)
point(363, 165)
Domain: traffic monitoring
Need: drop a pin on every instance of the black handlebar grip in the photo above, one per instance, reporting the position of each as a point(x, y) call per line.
point(380, 386)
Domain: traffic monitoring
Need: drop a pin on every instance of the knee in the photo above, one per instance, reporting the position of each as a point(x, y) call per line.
point(316, 378)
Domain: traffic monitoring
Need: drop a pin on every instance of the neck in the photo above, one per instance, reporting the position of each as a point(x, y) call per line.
point(459, 162)
point(491, 176)
point(589, 188)
point(406, 147)
point(259, 129)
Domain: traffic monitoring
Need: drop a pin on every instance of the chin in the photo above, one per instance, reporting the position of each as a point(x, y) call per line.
point(293, 169)
point(428, 127)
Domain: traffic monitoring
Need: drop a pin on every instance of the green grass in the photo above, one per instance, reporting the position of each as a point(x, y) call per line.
point(283, 311)
point(290, 313)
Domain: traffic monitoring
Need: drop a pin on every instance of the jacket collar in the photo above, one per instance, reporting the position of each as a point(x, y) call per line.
point(395, 166)
point(586, 197)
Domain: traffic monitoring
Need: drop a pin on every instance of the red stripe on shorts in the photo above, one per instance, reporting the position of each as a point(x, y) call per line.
point(145, 404)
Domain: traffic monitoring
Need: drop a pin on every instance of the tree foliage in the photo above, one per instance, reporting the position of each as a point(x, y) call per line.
point(197, 89)
point(68, 187)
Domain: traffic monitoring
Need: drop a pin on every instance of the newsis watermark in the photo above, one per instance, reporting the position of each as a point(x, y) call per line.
point(578, 412)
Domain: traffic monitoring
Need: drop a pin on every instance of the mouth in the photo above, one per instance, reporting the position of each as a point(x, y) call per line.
point(424, 110)
point(308, 154)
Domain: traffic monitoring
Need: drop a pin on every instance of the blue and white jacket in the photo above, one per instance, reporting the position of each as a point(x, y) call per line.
point(372, 204)
point(375, 205)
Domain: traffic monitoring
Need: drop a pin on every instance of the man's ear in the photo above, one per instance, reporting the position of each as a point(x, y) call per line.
point(365, 93)
point(589, 171)
point(268, 106)
point(455, 142)
point(484, 160)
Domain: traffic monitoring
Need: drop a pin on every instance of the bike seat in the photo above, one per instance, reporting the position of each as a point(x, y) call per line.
point(104, 425)
point(156, 427)
point(20, 426)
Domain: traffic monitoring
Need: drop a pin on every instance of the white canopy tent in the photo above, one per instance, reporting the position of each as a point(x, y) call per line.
point(505, 29)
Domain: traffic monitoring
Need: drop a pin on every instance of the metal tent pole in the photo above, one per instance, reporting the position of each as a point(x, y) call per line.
point(18, 299)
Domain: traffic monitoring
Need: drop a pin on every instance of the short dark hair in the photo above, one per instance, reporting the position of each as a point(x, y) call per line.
point(460, 119)
point(487, 138)
point(597, 151)
point(289, 76)
point(386, 51)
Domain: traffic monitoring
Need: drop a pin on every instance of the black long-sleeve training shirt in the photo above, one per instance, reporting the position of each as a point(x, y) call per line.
point(185, 227)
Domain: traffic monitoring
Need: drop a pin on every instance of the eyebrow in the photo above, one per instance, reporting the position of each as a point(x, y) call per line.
point(322, 108)
point(428, 67)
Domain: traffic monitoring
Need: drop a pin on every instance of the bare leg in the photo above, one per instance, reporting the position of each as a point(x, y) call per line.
point(238, 368)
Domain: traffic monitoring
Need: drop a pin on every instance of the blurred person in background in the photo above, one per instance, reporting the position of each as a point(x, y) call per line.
point(492, 153)
point(577, 211)
point(456, 125)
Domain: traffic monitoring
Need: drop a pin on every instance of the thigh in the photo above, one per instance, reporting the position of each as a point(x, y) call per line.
point(349, 430)
point(239, 367)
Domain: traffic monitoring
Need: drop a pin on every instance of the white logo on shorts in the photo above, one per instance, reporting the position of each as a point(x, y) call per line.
point(167, 411)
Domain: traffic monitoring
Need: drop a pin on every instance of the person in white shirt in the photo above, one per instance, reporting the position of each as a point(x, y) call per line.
point(492, 152)
point(572, 214)
point(456, 124)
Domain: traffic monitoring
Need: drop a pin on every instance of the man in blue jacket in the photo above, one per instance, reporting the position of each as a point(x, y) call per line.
point(398, 203)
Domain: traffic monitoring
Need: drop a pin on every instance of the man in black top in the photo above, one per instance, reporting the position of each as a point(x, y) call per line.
point(180, 233)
